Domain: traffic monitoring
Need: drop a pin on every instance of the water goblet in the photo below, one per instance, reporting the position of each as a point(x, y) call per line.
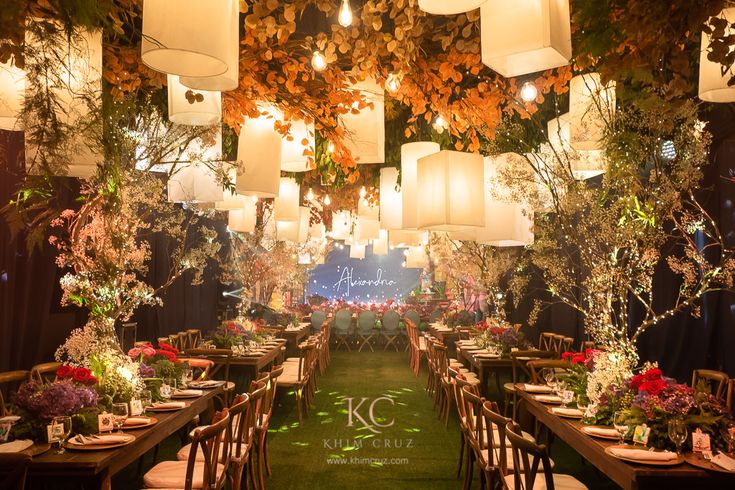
point(678, 432)
point(146, 398)
point(583, 404)
point(119, 415)
point(187, 375)
point(62, 435)
point(620, 423)
point(167, 388)
point(728, 434)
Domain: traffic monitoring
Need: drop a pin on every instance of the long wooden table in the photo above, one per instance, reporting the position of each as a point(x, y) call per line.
point(96, 468)
point(251, 364)
point(484, 366)
point(294, 336)
point(628, 475)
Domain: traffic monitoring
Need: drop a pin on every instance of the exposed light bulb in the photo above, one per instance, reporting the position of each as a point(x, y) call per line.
point(362, 192)
point(393, 83)
point(310, 195)
point(440, 124)
point(255, 198)
point(318, 61)
point(327, 201)
point(330, 147)
point(529, 92)
point(345, 14)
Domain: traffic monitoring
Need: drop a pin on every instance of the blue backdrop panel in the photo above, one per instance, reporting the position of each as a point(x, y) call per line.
point(373, 279)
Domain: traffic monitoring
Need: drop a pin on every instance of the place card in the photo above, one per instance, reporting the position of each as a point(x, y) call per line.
point(136, 407)
point(54, 433)
point(104, 422)
point(700, 441)
point(640, 434)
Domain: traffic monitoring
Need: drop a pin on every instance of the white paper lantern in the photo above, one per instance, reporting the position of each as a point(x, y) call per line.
point(525, 36)
point(294, 231)
point(229, 80)
point(231, 199)
point(368, 210)
point(416, 257)
point(380, 245)
point(292, 152)
point(286, 205)
point(304, 259)
point(12, 90)
point(585, 164)
point(407, 238)
point(590, 105)
point(186, 37)
point(712, 83)
point(366, 229)
point(194, 182)
point(449, 7)
point(341, 225)
point(357, 251)
point(391, 200)
point(410, 153)
point(259, 150)
point(318, 231)
point(192, 107)
point(243, 220)
point(365, 131)
point(450, 191)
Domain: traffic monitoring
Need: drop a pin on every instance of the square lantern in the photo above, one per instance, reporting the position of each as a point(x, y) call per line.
point(286, 205)
point(366, 229)
point(259, 154)
point(450, 191)
point(391, 200)
point(318, 231)
point(192, 107)
point(365, 128)
point(410, 154)
point(295, 231)
point(407, 238)
point(713, 85)
point(12, 88)
point(519, 37)
point(380, 245)
point(585, 164)
point(243, 220)
point(449, 7)
point(591, 104)
point(341, 225)
point(416, 257)
point(292, 150)
point(357, 251)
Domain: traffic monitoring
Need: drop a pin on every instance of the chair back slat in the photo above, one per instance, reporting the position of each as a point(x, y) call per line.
point(716, 381)
point(9, 382)
point(210, 441)
point(46, 372)
point(527, 457)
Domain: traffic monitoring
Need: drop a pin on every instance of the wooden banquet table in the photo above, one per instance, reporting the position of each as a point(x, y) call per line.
point(448, 337)
point(483, 366)
point(95, 468)
point(252, 363)
point(294, 336)
point(629, 476)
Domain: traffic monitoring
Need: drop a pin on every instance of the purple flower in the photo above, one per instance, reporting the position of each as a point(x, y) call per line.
point(146, 371)
point(61, 398)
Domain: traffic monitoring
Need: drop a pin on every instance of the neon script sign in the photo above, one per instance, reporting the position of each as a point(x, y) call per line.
point(347, 280)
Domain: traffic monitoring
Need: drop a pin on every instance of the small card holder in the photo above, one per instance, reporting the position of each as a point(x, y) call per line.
point(640, 435)
point(105, 422)
point(700, 441)
point(54, 433)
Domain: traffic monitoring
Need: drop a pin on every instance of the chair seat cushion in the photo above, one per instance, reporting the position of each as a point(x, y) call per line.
point(183, 453)
point(508, 453)
point(509, 387)
point(561, 482)
point(172, 474)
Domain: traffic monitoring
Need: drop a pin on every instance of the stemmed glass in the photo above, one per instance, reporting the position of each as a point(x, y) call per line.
point(187, 375)
point(64, 422)
point(119, 415)
point(550, 378)
point(728, 434)
point(146, 399)
point(620, 424)
point(678, 432)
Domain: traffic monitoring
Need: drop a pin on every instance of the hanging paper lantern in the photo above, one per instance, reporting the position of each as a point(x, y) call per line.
point(243, 220)
point(365, 130)
point(304, 259)
point(525, 36)
point(341, 225)
point(713, 84)
point(286, 206)
point(590, 105)
point(12, 90)
point(318, 231)
point(231, 199)
point(366, 229)
point(410, 153)
point(292, 152)
point(185, 37)
point(391, 201)
point(367, 210)
point(416, 258)
point(585, 164)
point(194, 181)
point(450, 191)
point(230, 79)
point(380, 245)
point(259, 150)
point(192, 107)
point(449, 7)
point(406, 238)
point(294, 231)
point(357, 251)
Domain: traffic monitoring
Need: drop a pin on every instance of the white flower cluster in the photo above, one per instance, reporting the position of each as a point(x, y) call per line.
point(609, 368)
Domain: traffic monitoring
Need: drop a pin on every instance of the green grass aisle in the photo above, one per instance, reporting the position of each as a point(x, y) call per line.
point(412, 450)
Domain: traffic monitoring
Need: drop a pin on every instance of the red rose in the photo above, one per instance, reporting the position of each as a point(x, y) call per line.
point(577, 358)
point(169, 347)
point(167, 354)
point(653, 387)
point(565, 356)
point(82, 375)
point(636, 382)
point(589, 351)
point(65, 371)
point(653, 374)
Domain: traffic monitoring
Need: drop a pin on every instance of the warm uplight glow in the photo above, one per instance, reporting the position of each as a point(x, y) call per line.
point(318, 61)
point(362, 192)
point(529, 92)
point(440, 124)
point(345, 14)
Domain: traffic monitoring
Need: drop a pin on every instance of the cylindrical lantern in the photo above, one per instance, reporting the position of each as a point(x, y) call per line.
point(230, 79)
point(410, 153)
point(318, 231)
point(450, 191)
point(406, 238)
point(416, 257)
point(713, 86)
point(192, 107)
point(391, 201)
point(367, 210)
point(380, 245)
point(590, 105)
point(243, 220)
point(366, 229)
point(365, 130)
point(186, 37)
point(292, 151)
point(259, 150)
point(449, 7)
point(585, 164)
point(525, 36)
point(194, 182)
point(286, 205)
point(231, 199)
point(357, 251)
point(12, 91)
point(341, 225)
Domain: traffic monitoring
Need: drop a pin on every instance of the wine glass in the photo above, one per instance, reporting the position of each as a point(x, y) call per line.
point(119, 415)
point(550, 377)
point(167, 388)
point(146, 398)
point(678, 432)
point(62, 434)
point(187, 375)
point(620, 423)
point(728, 434)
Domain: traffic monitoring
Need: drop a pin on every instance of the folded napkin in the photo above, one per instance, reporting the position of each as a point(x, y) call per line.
point(9, 419)
point(570, 412)
point(210, 383)
point(133, 421)
point(724, 462)
point(16, 446)
point(102, 440)
point(548, 398)
point(600, 431)
point(643, 454)
point(169, 405)
point(188, 393)
point(536, 388)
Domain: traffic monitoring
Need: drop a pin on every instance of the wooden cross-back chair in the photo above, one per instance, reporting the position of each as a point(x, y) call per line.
point(45, 372)
point(546, 341)
point(9, 383)
point(716, 381)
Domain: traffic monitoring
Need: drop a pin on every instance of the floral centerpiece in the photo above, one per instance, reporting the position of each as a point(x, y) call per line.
point(500, 335)
point(157, 364)
point(234, 332)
